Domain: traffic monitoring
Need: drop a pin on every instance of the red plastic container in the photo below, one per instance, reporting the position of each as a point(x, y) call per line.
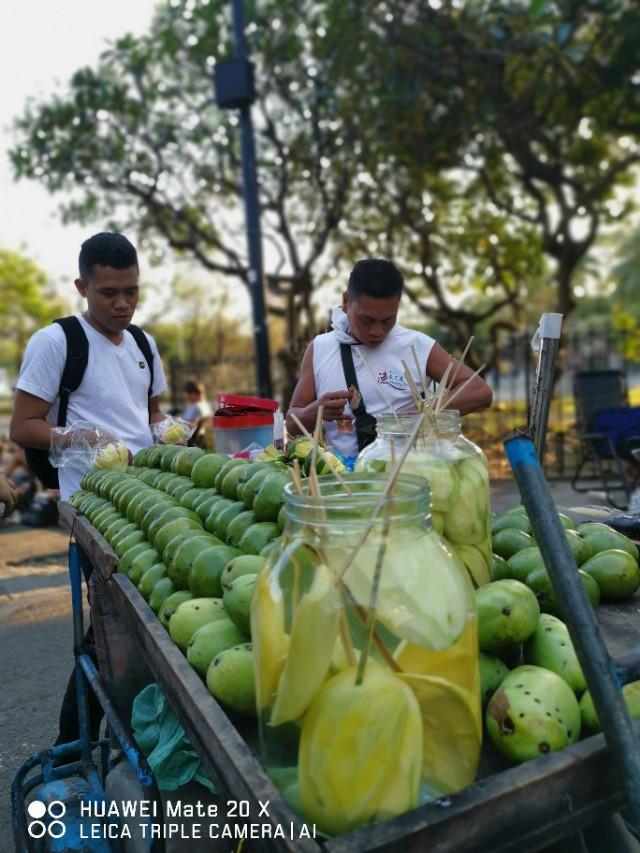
point(241, 421)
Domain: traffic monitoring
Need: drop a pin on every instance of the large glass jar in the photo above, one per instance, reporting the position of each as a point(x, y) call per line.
point(365, 642)
point(458, 474)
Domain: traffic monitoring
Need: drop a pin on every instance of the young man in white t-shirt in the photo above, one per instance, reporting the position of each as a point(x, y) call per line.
point(366, 322)
point(114, 392)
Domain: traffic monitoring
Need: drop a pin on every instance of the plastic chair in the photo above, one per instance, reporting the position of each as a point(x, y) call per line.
point(604, 423)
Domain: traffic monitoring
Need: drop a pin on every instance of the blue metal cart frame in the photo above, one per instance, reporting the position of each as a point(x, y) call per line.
point(56, 775)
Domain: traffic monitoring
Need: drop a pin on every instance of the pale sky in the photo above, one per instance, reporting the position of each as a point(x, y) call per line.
point(44, 42)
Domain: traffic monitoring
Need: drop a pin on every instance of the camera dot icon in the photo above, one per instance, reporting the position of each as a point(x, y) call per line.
point(37, 809)
point(55, 827)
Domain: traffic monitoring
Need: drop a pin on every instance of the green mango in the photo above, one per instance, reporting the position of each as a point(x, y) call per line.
point(238, 525)
point(616, 573)
point(171, 603)
point(550, 647)
point(245, 564)
point(256, 537)
point(231, 679)
point(590, 720)
point(190, 615)
point(540, 584)
point(270, 497)
point(150, 578)
point(237, 601)
point(601, 537)
point(205, 575)
point(532, 713)
point(492, 674)
point(228, 466)
point(206, 469)
point(522, 563)
point(510, 521)
point(508, 613)
point(212, 639)
point(509, 541)
point(499, 568)
point(161, 591)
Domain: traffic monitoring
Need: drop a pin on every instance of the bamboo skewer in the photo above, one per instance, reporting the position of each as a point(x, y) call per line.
point(414, 388)
point(461, 360)
point(385, 494)
point(461, 388)
point(422, 375)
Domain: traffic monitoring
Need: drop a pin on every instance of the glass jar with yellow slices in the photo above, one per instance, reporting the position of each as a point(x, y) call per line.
point(365, 643)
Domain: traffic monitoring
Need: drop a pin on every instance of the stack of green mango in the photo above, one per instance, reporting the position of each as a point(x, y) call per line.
point(189, 528)
point(531, 680)
point(606, 560)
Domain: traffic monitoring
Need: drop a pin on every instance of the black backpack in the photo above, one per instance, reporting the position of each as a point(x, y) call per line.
point(74, 368)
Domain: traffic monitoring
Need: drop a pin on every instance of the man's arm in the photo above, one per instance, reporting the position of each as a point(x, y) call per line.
point(28, 425)
point(304, 403)
point(477, 395)
point(155, 415)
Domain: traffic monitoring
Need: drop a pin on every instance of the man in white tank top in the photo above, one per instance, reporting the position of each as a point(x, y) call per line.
point(366, 323)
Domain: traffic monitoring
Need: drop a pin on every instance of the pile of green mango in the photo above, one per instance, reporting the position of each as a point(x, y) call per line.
point(189, 529)
point(606, 560)
point(532, 684)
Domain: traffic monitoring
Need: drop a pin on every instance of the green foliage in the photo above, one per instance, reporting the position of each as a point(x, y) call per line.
point(481, 144)
point(27, 302)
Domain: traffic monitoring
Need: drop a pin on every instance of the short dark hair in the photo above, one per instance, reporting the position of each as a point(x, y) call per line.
point(107, 249)
point(375, 277)
point(193, 387)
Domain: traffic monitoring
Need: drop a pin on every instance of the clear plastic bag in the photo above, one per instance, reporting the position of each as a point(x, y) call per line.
point(171, 431)
point(85, 444)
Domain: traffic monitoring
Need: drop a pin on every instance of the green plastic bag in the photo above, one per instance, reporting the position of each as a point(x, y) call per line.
point(164, 742)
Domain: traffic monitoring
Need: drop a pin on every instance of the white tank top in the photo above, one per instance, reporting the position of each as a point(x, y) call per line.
point(384, 361)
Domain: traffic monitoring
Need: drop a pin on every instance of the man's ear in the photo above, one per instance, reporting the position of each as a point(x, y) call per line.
point(345, 301)
point(81, 287)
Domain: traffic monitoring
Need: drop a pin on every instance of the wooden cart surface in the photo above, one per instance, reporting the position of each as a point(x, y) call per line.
point(508, 809)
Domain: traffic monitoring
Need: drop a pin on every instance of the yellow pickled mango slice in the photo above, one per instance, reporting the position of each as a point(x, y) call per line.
point(270, 642)
point(458, 664)
point(360, 751)
point(452, 731)
point(313, 635)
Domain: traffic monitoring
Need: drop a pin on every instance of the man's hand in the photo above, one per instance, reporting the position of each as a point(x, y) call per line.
point(333, 403)
point(7, 494)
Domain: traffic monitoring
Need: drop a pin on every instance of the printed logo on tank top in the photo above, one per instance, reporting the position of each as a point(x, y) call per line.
point(395, 380)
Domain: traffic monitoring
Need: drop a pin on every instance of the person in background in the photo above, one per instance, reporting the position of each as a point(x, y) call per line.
point(197, 406)
point(366, 324)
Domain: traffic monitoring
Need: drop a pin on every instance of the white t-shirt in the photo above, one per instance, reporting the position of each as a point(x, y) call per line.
point(384, 362)
point(114, 392)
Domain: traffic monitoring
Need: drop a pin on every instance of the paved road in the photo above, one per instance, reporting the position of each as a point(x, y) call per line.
point(35, 648)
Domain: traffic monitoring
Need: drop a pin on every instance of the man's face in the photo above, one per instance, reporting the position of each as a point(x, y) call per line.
point(112, 295)
point(371, 319)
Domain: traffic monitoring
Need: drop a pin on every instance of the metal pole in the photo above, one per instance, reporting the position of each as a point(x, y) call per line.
point(602, 675)
point(547, 338)
point(252, 216)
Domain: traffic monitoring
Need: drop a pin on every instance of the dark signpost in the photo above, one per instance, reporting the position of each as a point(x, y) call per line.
point(235, 89)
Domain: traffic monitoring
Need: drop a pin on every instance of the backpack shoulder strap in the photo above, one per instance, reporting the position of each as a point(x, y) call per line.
point(75, 363)
point(145, 348)
point(365, 423)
